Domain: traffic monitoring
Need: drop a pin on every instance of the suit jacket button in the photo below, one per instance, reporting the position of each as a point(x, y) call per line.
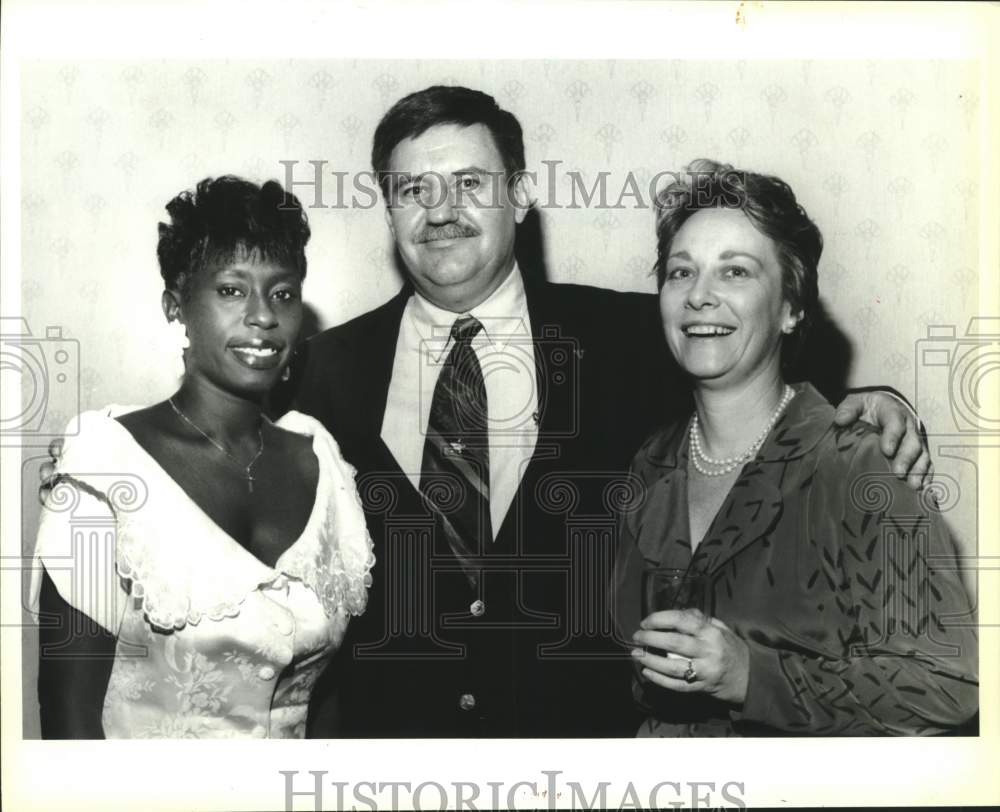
point(467, 702)
point(478, 608)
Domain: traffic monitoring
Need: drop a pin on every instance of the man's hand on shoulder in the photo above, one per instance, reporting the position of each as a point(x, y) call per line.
point(47, 471)
point(901, 439)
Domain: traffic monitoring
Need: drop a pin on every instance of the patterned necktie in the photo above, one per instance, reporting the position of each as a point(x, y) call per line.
point(455, 473)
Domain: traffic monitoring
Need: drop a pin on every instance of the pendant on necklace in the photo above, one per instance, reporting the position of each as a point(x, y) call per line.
point(249, 484)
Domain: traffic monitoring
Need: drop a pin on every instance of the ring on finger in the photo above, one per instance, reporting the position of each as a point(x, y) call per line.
point(690, 675)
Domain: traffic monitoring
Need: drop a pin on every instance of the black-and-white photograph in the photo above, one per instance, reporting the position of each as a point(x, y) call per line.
point(429, 401)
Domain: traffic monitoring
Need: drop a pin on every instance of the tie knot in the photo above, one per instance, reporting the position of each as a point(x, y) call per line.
point(465, 329)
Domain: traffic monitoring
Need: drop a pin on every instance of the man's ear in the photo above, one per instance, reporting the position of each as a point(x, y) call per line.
point(170, 301)
point(521, 192)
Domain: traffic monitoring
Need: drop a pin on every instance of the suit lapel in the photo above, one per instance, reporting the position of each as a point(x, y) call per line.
point(364, 389)
point(556, 361)
point(557, 417)
point(375, 361)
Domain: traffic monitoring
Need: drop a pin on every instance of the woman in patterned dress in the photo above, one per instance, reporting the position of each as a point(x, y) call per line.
point(833, 606)
point(198, 564)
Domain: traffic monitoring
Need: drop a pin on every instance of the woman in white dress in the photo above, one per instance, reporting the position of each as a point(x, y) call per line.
point(198, 564)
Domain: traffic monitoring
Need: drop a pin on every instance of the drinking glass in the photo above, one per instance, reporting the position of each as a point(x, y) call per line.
point(666, 588)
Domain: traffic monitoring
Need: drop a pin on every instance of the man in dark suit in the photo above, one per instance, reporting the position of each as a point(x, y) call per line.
point(491, 417)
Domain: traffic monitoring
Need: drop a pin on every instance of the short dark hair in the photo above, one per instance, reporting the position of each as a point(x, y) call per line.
point(227, 217)
point(413, 115)
point(771, 206)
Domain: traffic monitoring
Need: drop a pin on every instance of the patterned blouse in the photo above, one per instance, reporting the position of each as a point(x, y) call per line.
point(840, 578)
point(210, 641)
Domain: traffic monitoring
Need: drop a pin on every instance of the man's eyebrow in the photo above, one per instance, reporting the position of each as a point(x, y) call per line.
point(403, 177)
point(408, 177)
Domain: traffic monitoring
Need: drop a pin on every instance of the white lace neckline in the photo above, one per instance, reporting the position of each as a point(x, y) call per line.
point(181, 564)
point(308, 531)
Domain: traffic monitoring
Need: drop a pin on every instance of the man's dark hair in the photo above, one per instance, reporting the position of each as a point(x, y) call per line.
point(228, 218)
point(413, 115)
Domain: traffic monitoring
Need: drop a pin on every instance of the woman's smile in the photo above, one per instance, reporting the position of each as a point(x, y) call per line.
point(257, 354)
point(707, 330)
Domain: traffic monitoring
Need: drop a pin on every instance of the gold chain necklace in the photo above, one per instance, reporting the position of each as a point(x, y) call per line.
point(246, 468)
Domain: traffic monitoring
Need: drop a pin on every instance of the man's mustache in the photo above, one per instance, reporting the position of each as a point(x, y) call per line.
point(451, 231)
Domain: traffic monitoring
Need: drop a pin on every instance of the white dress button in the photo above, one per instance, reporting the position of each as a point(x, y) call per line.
point(266, 673)
point(478, 608)
point(467, 702)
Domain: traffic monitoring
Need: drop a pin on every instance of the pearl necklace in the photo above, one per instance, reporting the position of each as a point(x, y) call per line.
point(698, 456)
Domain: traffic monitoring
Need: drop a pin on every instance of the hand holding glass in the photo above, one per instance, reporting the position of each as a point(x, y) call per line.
point(665, 588)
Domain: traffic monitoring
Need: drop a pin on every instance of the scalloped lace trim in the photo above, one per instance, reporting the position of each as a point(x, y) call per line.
point(335, 564)
point(163, 606)
point(339, 574)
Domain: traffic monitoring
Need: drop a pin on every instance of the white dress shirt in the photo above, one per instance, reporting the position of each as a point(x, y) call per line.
point(507, 358)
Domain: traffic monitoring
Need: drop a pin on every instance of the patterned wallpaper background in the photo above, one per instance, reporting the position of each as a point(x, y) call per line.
point(881, 154)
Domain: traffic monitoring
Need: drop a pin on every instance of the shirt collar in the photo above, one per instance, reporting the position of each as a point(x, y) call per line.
point(806, 420)
point(503, 314)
